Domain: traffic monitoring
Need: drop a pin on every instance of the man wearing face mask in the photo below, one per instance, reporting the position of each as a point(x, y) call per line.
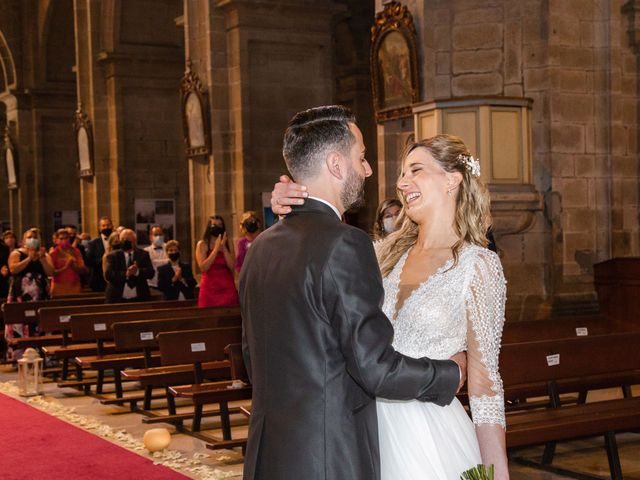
point(250, 229)
point(175, 279)
point(156, 252)
point(127, 271)
point(94, 252)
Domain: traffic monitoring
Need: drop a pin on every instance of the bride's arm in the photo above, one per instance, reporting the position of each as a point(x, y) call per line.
point(485, 310)
point(286, 193)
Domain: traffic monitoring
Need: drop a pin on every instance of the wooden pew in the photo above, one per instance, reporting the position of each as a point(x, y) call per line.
point(141, 336)
point(58, 319)
point(578, 363)
point(28, 313)
point(96, 327)
point(617, 283)
point(196, 347)
point(238, 372)
point(555, 328)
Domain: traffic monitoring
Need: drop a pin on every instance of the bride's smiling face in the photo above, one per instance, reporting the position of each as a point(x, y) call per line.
point(423, 184)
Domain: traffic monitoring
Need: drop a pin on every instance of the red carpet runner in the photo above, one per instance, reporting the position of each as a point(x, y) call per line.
point(35, 445)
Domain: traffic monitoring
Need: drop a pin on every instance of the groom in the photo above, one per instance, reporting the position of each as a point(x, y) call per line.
point(316, 344)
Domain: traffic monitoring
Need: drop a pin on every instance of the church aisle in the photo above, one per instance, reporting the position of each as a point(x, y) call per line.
point(215, 465)
point(585, 455)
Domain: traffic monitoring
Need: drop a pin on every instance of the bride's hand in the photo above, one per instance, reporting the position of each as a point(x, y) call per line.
point(286, 193)
point(461, 359)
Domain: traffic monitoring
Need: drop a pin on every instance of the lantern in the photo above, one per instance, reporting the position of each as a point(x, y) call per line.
point(30, 373)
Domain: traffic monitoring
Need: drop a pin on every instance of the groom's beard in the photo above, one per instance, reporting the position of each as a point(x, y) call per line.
point(352, 194)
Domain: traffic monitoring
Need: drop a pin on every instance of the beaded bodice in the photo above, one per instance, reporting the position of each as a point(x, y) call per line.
point(457, 308)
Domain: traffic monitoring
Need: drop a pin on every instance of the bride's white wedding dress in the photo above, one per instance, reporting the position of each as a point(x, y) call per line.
point(458, 308)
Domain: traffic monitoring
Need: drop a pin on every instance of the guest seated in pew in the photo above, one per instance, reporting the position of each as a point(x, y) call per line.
point(94, 252)
point(175, 279)
point(69, 266)
point(30, 265)
point(7, 245)
point(127, 271)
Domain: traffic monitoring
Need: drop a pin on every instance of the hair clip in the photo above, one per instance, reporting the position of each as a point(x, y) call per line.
point(471, 164)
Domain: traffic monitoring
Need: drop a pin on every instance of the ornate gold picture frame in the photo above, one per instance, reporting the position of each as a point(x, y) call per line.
point(394, 63)
point(195, 116)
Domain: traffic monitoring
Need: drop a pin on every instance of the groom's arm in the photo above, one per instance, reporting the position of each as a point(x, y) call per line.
point(353, 295)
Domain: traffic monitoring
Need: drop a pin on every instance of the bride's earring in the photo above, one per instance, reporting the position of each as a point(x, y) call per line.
point(449, 189)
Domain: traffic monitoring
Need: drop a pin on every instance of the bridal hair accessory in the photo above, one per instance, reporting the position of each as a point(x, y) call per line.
point(471, 164)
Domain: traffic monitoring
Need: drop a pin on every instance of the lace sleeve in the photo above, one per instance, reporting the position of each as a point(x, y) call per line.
point(485, 313)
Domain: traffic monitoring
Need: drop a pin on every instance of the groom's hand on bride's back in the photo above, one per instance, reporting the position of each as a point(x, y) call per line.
point(461, 359)
point(286, 193)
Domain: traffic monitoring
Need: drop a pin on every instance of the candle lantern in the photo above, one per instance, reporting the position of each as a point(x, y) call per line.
point(30, 373)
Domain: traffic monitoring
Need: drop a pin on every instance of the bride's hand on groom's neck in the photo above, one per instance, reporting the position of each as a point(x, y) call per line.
point(286, 193)
point(461, 359)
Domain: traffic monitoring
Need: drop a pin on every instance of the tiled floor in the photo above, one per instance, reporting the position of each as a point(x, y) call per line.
point(587, 456)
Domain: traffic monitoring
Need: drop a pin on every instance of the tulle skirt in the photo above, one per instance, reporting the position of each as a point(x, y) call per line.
point(423, 441)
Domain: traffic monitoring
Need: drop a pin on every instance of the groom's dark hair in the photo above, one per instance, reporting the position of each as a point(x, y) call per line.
point(312, 134)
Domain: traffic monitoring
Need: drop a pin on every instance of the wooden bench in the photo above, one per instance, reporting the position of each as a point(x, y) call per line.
point(576, 363)
point(555, 328)
point(28, 313)
point(141, 336)
point(97, 327)
point(58, 319)
point(238, 372)
point(196, 347)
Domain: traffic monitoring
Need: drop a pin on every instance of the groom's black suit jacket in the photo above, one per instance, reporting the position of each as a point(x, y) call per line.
point(318, 351)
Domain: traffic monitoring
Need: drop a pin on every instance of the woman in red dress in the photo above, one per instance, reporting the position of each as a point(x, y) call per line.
point(217, 287)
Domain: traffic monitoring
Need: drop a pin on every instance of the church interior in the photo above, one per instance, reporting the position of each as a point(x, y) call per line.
point(142, 114)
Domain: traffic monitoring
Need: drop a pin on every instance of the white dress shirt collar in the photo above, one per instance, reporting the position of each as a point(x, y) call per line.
point(333, 207)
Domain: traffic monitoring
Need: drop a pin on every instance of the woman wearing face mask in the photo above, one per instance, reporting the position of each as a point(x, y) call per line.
point(175, 279)
point(69, 266)
point(250, 229)
point(30, 265)
point(217, 288)
point(386, 216)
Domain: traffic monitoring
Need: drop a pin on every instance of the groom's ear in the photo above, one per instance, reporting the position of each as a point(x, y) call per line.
point(335, 165)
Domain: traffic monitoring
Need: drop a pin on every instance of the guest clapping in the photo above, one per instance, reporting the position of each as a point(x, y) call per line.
point(175, 278)
point(214, 258)
point(68, 266)
point(127, 271)
point(30, 265)
point(250, 229)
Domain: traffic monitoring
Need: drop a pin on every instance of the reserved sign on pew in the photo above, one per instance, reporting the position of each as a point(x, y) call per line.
point(198, 347)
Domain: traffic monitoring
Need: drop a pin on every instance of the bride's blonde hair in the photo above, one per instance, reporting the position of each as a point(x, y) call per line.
point(473, 216)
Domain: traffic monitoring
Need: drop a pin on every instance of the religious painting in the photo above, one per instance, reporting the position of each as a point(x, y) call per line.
point(10, 160)
point(84, 143)
point(394, 63)
point(195, 119)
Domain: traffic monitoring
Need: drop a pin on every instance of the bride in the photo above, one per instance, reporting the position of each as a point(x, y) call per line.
point(444, 293)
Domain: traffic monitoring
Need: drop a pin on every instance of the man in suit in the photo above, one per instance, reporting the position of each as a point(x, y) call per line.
point(316, 344)
point(94, 253)
point(127, 271)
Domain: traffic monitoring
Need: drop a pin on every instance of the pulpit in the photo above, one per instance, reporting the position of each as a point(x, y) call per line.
point(617, 282)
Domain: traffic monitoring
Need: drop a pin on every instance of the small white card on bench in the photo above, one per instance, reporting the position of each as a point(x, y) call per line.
point(198, 347)
point(146, 335)
point(99, 327)
point(64, 318)
point(29, 313)
point(582, 331)
point(553, 359)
